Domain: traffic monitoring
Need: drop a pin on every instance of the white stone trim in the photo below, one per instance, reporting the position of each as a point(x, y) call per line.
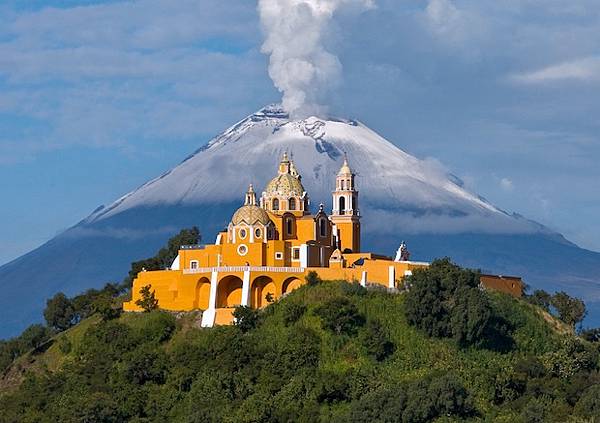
point(391, 277)
point(303, 255)
point(208, 316)
point(363, 279)
point(274, 269)
point(175, 265)
point(246, 288)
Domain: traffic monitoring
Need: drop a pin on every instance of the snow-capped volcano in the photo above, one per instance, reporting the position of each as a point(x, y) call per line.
point(400, 198)
point(405, 191)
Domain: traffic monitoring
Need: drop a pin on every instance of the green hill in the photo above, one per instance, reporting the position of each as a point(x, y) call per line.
point(332, 352)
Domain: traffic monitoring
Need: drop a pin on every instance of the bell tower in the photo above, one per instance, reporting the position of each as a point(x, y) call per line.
point(345, 214)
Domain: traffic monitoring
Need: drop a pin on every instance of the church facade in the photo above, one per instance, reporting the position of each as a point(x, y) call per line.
point(268, 248)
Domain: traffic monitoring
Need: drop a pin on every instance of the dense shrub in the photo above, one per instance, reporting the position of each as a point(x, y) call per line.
point(60, 312)
point(340, 316)
point(588, 405)
point(323, 353)
point(420, 401)
point(445, 301)
point(292, 311)
point(376, 341)
point(312, 278)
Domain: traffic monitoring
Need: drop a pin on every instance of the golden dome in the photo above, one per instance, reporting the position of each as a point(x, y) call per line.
point(250, 215)
point(285, 185)
point(345, 169)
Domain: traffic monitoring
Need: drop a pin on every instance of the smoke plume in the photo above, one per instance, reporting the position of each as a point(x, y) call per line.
point(300, 66)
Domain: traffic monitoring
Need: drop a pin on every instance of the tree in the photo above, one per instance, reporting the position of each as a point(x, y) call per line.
point(312, 278)
point(541, 299)
point(340, 316)
point(445, 301)
point(148, 302)
point(103, 305)
point(34, 336)
point(59, 312)
point(246, 318)
point(469, 316)
point(570, 310)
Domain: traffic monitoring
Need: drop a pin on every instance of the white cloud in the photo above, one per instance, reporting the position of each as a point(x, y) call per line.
point(451, 25)
point(506, 184)
point(585, 69)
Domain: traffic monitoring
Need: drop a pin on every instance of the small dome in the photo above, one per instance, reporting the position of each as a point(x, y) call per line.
point(345, 169)
point(284, 185)
point(250, 215)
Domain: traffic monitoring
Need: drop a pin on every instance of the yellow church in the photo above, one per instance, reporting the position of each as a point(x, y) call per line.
point(269, 247)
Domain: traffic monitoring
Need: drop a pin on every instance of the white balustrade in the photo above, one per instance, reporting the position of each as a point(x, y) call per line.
point(220, 269)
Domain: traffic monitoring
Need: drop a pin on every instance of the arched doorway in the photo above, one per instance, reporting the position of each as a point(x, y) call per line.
point(202, 294)
point(290, 284)
point(229, 292)
point(261, 288)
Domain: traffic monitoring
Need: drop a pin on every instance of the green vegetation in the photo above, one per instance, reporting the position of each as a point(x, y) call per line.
point(148, 302)
point(333, 352)
point(566, 308)
point(62, 312)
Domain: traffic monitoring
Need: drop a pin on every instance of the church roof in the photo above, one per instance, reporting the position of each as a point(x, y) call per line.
point(288, 181)
point(250, 215)
point(345, 169)
point(284, 185)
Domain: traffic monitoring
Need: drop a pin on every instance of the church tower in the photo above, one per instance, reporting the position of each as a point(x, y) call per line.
point(345, 215)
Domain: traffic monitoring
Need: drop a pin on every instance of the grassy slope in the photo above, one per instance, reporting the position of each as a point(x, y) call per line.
point(415, 356)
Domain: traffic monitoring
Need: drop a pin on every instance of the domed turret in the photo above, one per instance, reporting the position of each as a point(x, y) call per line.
point(285, 193)
point(250, 219)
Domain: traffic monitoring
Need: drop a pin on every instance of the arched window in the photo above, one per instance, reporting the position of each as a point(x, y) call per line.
point(343, 185)
point(289, 226)
point(323, 227)
point(342, 205)
point(275, 204)
point(353, 203)
point(292, 204)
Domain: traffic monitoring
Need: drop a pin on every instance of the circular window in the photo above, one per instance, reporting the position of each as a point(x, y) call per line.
point(257, 232)
point(242, 250)
point(243, 233)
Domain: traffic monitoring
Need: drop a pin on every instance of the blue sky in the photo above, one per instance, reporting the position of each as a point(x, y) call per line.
point(97, 97)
